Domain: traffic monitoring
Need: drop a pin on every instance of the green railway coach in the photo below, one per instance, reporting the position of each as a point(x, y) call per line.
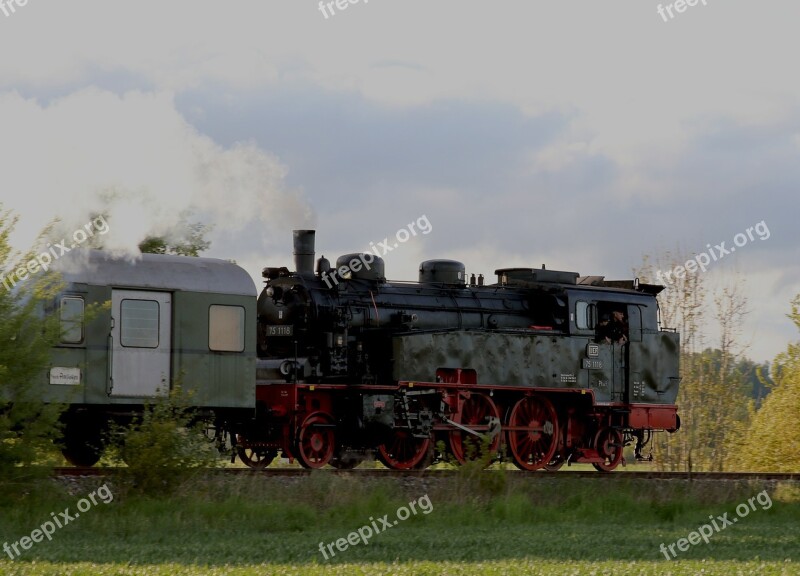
point(163, 320)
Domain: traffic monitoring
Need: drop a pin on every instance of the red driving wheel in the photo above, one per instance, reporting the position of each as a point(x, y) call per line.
point(315, 440)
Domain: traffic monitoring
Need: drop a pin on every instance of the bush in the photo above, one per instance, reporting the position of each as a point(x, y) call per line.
point(473, 481)
point(164, 446)
point(28, 426)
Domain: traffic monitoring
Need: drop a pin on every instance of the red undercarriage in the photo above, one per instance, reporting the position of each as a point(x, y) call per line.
point(535, 428)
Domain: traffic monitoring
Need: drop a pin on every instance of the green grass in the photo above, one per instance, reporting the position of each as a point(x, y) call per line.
point(480, 524)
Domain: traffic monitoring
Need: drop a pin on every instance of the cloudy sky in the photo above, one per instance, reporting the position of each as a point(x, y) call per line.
point(578, 134)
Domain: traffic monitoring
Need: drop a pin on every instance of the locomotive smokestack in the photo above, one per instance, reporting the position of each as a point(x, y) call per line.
point(304, 252)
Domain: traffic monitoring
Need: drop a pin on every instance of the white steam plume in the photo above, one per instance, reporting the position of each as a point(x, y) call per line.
point(135, 158)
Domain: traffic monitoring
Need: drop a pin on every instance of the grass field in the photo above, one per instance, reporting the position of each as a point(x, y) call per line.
point(475, 524)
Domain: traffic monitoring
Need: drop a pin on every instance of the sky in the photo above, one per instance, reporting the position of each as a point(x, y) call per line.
point(581, 135)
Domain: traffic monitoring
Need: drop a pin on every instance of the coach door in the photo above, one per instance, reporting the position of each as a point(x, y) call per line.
point(139, 343)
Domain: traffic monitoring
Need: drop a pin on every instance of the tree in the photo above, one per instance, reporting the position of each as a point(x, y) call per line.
point(756, 381)
point(27, 424)
point(189, 240)
point(773, 440)
point(725, 403)
point(681, 307)
point(712, 402)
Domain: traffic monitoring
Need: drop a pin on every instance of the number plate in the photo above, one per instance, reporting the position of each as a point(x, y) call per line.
point(591, 364)
point(280, 330)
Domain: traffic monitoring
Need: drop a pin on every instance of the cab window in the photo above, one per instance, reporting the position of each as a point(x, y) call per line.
point(584, 315)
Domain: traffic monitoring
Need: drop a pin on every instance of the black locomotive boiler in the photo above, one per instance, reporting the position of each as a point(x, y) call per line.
point(351, 364)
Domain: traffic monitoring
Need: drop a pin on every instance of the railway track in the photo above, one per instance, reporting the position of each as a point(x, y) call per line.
point(379, 473)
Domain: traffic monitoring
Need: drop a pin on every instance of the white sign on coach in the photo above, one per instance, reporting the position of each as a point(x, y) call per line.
point(65, 376)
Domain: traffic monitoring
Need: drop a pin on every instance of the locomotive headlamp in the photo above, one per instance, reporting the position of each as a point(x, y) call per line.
point(289, 368)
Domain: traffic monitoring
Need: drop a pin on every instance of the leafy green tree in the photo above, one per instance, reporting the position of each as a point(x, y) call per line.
point(27, 424)
point(190, 240)
point(756, 380)
point(773, 440)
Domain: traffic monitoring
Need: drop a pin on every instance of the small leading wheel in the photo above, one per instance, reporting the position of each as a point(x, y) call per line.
point(256, 457)
point(609, 446)
point(555, 464)
point(315, 441)
point(477, 413)
point(533, 432)
point(405, 452)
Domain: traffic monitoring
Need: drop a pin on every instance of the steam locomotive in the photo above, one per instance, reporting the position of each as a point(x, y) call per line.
point(351, 365)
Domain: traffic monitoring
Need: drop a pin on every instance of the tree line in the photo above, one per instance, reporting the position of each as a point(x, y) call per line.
point(736, 414)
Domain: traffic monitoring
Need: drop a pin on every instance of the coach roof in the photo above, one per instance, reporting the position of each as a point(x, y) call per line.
point(155, 272)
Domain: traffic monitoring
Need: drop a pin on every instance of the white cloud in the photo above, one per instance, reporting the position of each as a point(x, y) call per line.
point(136, 158)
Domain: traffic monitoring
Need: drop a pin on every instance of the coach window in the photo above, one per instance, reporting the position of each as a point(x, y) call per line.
point(139, 323)
point(71, 320)
point(226, 328)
